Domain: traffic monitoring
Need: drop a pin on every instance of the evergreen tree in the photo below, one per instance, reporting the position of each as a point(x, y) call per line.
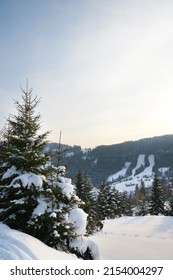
point(84, 190)
point(170, 199)
point(79, 186)
point(26, 145)
point(102, 199)
point(156, 204)
point(143, 205)
point(108, 202)
point(114, 208)
point(22, 169)
point(57, 224)
point(126, 202)
point(36, 198)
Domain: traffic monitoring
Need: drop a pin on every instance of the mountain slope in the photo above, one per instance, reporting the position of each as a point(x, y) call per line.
point(129, 183)
point(129, 158)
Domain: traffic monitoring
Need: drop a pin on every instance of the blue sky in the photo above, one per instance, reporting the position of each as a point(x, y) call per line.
point(103, 68)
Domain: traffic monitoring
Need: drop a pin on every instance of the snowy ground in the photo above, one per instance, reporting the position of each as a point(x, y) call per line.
point(128, 238)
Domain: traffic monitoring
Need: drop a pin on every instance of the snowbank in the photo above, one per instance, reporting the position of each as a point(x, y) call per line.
point(15, 245)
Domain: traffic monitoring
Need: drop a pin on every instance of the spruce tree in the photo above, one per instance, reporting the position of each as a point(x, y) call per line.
point(84, 190)
point(35, 197)
point(102, 201)
point(170, 200)
point(57, 225)
point(26, 145)
point(108, 201)
point(156, 204)
point(126, 203)
point(114, 203)
point(143, 205)
point(79, 185)
point(22, 171)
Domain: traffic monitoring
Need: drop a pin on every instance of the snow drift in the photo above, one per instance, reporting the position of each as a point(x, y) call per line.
point(15, 245)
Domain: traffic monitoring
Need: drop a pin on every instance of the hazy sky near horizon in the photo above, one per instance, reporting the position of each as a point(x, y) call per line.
point(103, 68)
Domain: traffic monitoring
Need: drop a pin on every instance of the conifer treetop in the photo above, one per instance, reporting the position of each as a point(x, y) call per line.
point(25, 144)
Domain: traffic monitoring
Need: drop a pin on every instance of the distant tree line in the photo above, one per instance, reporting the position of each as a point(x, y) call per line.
point(108, 203)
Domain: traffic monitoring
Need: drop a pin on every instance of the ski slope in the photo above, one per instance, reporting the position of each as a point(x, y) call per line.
point(129, 183)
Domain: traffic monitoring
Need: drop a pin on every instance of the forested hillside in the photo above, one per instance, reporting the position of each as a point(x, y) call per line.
point(103, 161)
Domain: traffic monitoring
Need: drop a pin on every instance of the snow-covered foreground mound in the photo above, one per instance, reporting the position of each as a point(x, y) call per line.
point(15, 245)
point(128, 238)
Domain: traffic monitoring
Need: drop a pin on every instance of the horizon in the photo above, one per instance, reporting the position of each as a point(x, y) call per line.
point(119, 143)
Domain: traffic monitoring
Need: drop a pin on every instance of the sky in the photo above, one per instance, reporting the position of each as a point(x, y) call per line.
point(102, 68)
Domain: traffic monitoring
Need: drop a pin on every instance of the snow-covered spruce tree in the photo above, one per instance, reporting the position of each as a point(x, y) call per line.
point(169, 208)
point(79, 185)
point(102, 201)
point(84, 190)
point(22, 172)
point(58, 220)
point(143, 205)
point(55, 220)
point(108, 201)
point(34, 198)
point(114, 201)
point(156, 206)
point(126, 203)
